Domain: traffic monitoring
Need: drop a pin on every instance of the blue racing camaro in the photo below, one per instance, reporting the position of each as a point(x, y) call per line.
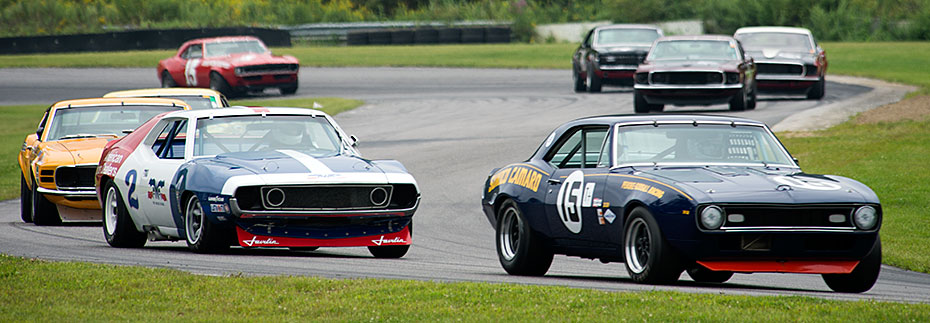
point(664, 194)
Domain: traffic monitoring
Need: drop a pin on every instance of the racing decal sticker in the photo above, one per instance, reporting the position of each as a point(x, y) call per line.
point(313, 165)
point(600, 217)
point(568, 203)
point(549, 140)
point(597, 202)
point(609, 216)
point(521, 176)
point(190, 71)
point(155, 193)
point(394, 240)
point(807, 183)
point(112, 163)
point(256, 242)
point(645, 188)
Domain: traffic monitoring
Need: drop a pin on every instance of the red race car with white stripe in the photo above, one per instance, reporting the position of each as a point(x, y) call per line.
point(253, 177)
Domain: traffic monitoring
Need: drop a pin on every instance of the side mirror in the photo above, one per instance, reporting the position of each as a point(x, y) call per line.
point(39, 132)
point(353, 141)
point(796, 161)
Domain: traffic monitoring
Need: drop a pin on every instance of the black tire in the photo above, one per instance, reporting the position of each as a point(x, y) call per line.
point(739, 101)
point(25, 201)
point(43, 211)
point(703, 275)
point(520, 249)
point(391, 251)
point(863, 277)
point(219, 84)
point(649, 258)
point(580, 86)
point(818, 90)
point(594, 81)
point(167, 80)
point(639, 103)
point(289, 89)
point(203, 236)
point(118, 227)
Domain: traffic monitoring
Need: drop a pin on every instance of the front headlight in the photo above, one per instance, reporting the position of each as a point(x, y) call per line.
point(732, 78)
point(642, 78)
point(866, 217)
point(712, 217)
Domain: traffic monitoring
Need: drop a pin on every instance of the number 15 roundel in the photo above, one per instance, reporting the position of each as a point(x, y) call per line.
point(569, 201)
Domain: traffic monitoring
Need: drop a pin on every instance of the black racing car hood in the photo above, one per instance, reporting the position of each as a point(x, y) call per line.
point(730, 184)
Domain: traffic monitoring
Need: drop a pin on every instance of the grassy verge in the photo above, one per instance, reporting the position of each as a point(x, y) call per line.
point(892, 159)
point(37, 290)
point(21, 120)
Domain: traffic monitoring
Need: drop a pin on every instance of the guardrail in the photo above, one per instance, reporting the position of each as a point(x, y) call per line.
point(339, 31)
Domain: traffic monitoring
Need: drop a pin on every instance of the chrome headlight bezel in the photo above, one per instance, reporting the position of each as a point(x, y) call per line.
point(712, 217)
point(866, 217)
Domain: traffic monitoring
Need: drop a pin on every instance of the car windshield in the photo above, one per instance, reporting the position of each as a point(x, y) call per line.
point(705, 144)
point(314, 136)
point(694, 50)
point(84, 122)
point(225, 48)
point(785, 41)
point(621, 36)
point(197, 102)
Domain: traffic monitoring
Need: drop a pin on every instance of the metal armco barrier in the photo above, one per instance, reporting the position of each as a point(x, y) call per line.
point(134, 40)
point(430, 35)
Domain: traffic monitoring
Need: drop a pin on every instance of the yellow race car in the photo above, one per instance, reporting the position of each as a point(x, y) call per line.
point(58, 161)
point(197, 98)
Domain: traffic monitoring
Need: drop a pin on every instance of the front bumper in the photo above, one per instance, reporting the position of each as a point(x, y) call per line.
point(688, 95)
point(254, 82)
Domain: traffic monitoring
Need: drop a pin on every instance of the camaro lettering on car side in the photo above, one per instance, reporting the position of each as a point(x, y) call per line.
point(517, 175)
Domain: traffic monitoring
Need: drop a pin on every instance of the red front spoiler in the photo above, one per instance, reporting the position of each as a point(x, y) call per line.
point(399, 238)
point(791, 266)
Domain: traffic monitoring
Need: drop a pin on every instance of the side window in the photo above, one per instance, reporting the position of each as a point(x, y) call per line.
point(193, 51)
point(169, 144)
point(587, 39)
point(40, 129)
point(580, 148)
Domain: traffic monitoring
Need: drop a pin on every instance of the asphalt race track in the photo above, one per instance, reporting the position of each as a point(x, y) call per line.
point(450, 127)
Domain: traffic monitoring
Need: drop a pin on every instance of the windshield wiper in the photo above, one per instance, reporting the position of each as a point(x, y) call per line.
point(85, 135)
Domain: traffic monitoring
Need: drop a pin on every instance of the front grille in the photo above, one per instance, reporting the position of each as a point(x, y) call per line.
point(75, 177)
point(326, 197)
point(781, 69)
point(687, 78)
point(782, 216)
point(268, 68)
point(621, 59)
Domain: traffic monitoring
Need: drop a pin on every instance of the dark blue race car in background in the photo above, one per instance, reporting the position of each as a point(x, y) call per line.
point(664, 194)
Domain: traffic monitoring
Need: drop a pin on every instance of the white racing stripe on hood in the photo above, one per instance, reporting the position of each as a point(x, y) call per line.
point(315, 166)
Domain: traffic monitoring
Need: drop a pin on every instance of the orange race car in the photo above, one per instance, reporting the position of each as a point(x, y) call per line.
point(58, 161)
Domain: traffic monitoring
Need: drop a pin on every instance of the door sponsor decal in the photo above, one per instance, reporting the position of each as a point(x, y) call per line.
point(645, 188)
point(807, 183)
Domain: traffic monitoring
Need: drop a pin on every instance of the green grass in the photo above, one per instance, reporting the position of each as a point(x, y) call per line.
point(903, 62)
point(21, 120)
point(35, 290)
point(891, 158)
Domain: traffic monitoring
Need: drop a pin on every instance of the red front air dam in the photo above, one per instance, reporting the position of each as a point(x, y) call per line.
point(791, 266)
point(391, 239)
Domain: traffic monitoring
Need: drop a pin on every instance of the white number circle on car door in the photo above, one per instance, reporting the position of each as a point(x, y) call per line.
point(569, 201)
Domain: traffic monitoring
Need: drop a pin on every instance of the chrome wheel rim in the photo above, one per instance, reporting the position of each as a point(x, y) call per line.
point(637, 245)
point(510, 234)
point(194, 221)
point(111, 210)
